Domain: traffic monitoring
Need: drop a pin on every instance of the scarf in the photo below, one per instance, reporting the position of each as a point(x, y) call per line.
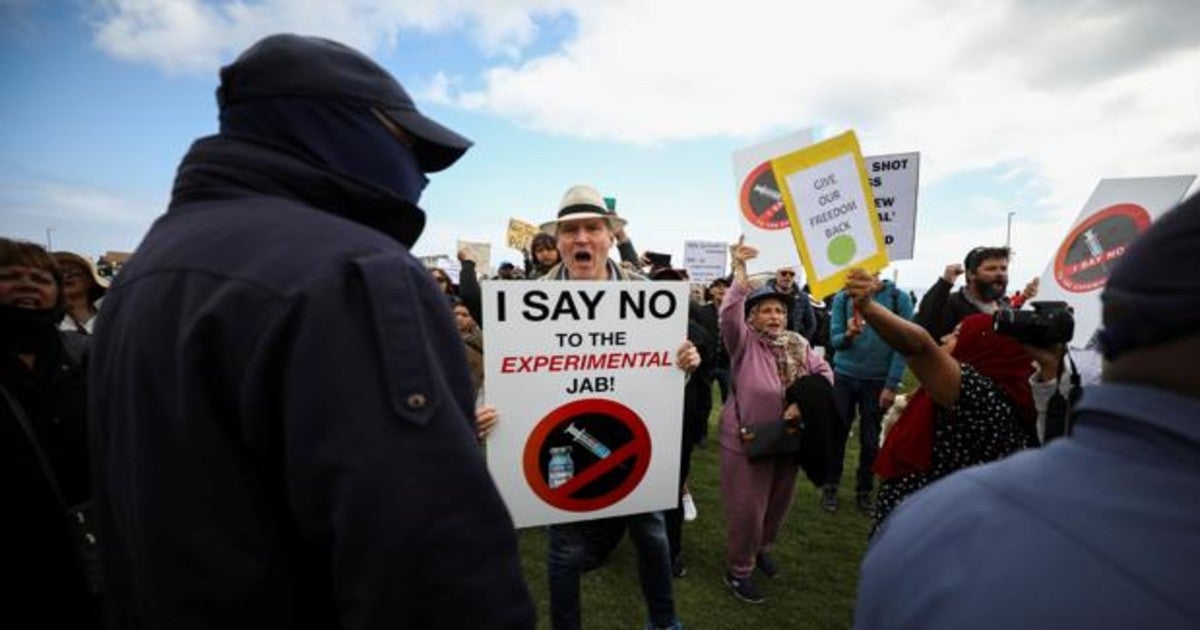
point(342, 135)
point(790, 351)
point(909, 445)
point(28, 331)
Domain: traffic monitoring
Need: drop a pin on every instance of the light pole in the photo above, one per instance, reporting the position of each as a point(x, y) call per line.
point(1008, 232)
point(49, 242)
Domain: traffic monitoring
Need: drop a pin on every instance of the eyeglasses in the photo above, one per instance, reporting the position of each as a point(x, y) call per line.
point(787, 273)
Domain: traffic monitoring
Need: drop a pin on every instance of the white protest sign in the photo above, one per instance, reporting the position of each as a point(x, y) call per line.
point(451, 266)
point(583, 377)
point(705, 260)
point(1116, 213)
point(894, 180)
point(832, 212)
point(761, 213)
point(480, 252)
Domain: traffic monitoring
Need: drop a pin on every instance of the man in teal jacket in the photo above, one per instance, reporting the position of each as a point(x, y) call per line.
point(867, 373)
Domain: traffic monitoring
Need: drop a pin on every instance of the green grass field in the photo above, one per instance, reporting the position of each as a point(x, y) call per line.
point(818, 555)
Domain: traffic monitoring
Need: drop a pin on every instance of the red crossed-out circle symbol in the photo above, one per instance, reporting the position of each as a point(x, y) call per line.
point(1095, 245)
point(761, 201)
point(597, 482)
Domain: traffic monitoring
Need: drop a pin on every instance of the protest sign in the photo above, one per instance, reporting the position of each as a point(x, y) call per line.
point(583, 377)
point(520, 234)
point(761, 213)
point(1116, 213)
point(831, 210)
point(481, 253)
point(705, 260)
point(894, 179)
point(451, 266)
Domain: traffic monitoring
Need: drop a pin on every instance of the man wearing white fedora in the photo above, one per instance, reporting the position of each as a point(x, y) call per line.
point(584, 230)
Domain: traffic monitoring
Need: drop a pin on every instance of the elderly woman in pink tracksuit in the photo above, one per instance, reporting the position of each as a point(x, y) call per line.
point(765, 359)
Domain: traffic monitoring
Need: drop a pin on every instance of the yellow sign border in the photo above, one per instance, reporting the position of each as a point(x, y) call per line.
point(809, 157)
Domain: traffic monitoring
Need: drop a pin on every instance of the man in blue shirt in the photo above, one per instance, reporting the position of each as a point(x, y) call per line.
point(1098, 530)
point(867, 373)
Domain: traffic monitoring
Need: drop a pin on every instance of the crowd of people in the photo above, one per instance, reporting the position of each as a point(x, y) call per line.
point(232, 435)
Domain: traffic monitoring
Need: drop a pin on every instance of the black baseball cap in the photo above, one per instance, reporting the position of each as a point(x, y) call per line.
point(295, 65)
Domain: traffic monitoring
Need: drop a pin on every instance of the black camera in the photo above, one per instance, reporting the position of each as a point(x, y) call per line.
point(1047, 324)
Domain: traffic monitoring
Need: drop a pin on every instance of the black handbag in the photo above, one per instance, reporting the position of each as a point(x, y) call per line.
point(768, 440)
point(79, 517)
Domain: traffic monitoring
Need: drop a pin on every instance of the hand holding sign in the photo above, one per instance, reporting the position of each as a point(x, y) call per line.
point(486, 419)
point(687, 358)
point(860, 287)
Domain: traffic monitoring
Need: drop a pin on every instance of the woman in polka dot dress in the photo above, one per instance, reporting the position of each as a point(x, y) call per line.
point(974, 405)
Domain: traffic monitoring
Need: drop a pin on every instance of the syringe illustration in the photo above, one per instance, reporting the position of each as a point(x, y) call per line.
point(1095, 248)
point(590, 443)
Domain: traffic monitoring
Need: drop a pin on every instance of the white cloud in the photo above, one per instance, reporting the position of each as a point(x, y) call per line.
point(197, 35)
point(1062, 93)
point(907, 75)
point(78, 216)
point(52, 201)
point(1054, 95)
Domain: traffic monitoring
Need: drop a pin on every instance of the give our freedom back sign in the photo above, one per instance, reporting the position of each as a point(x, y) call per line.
point(831, 208)
point(583, 377)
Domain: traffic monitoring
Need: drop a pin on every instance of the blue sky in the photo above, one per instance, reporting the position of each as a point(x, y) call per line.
point(1014, 105)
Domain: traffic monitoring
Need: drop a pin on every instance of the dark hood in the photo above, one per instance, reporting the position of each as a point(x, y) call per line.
point(229, 167)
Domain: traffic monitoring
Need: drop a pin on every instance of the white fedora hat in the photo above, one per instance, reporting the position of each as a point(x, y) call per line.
point(582, 202)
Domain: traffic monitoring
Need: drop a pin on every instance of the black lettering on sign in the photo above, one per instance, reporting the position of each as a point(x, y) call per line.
point(595, 384)
point(826, 181)
point(844, 226)
point(567, 306)
point(889, 165)
point(535, 306)
point(662, 304)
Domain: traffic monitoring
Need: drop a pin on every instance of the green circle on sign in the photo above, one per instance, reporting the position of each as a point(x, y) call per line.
point(841, 249)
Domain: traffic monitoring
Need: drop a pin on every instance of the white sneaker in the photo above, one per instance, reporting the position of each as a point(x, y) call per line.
point(689, 507)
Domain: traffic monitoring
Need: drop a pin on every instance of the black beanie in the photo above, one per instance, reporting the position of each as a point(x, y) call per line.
point(1153, 294)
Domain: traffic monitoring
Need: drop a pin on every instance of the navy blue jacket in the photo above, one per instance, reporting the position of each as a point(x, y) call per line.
point(283, 420)
point(1098, 530)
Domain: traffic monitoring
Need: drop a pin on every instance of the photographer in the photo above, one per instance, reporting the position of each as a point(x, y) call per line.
point(1045, 331)
point(974, 404)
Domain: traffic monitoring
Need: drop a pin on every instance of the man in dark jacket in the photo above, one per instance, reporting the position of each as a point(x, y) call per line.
point(987, 280)
point(283, 433)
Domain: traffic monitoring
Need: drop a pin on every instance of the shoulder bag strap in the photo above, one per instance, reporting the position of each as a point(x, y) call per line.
point(47, 468)
point(737, 407)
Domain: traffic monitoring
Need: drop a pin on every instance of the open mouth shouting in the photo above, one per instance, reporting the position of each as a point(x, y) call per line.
point(585, 244)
